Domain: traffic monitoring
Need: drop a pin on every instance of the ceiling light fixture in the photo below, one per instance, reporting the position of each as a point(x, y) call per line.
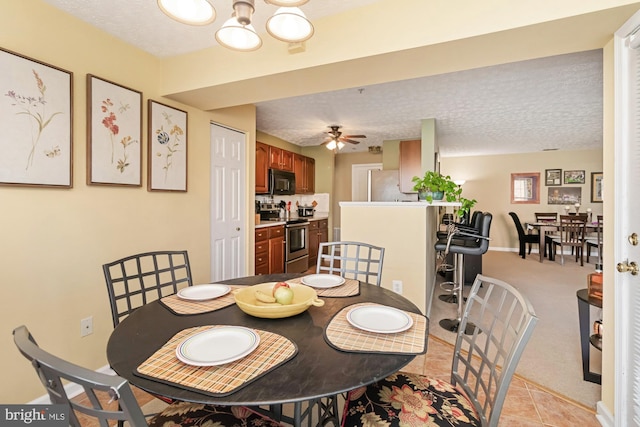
point(288, 23)
point(191, 12)
point(331, 145)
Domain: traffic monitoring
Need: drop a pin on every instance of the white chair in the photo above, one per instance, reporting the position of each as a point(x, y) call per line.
point(55, 373)
point(483, 365)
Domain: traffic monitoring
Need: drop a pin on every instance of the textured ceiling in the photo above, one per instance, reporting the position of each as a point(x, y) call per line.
point(548, 103)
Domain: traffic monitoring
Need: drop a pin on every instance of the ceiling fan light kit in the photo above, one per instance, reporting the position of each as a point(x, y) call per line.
point(191, 12)
point(335, 140)
point(288, 24)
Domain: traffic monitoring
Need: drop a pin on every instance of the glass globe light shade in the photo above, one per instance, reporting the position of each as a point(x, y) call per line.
point(192, 12)
point(235, 36)
point(289, 24)
point(340, 145)
point(332, 145)
point(286, 3)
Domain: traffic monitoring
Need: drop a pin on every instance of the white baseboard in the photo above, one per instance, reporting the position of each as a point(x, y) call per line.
point(72, 389)
point(603, 415)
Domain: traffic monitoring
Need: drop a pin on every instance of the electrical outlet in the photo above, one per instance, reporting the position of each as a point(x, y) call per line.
point(396, 285)
point(86, 326)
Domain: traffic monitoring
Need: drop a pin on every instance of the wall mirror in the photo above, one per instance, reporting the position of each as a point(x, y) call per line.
point(525, 188)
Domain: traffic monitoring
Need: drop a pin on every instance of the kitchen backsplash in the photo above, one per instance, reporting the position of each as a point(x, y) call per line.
point(303, 199)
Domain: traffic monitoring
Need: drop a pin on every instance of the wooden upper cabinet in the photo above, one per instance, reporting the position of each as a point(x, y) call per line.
point(304, 169)
point(262, 168)
point(280, 159)
point(410, 164)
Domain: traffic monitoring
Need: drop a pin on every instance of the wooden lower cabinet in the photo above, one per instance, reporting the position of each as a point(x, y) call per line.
point(318, 233)
point(269, 250)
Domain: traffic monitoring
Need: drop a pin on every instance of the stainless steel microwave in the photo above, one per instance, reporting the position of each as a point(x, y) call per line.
point(281, 183)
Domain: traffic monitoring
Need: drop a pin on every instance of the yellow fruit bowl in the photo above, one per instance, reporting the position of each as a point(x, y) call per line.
point(303, 297)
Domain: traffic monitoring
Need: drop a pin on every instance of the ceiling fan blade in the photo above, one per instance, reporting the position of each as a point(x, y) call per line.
point(355, 136)
point(349, 140)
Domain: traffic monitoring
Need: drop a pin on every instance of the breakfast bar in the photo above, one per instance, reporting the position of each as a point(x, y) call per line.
point(407, 231)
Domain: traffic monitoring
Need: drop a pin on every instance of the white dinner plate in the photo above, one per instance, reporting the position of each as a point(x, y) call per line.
point(322, 280)
point(380, 319)
point(203, 292)
point(218, 346)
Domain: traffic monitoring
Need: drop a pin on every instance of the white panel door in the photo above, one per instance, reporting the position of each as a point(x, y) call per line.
point(627, 205)
point(228, 203)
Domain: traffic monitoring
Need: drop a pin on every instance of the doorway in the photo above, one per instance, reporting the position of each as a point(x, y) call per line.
point(228, 211)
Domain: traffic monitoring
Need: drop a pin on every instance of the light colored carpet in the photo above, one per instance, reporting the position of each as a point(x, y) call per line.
point(552, 357)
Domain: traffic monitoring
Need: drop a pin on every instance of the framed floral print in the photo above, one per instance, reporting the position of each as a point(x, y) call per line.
point(114, 133)
point(167, 153)
point(596, 187)
point(37, 123)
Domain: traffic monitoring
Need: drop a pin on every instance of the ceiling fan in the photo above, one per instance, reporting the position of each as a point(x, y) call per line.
point(335, 139)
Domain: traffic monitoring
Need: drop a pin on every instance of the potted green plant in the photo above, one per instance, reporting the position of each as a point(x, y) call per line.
point(435, 186)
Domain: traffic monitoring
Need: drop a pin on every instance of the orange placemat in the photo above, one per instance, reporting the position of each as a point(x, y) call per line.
point(181, 306)
point(222, 380)
point(349, 288)
point(342, 335)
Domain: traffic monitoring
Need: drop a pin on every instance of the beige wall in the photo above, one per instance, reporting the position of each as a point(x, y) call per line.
point(54, 241)
point(488, 181)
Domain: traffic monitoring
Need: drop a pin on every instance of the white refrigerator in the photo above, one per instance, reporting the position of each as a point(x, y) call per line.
point(384, 186)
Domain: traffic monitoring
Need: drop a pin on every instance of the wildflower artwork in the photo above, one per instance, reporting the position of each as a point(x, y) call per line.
point(36, 118)
point(115, 133)
point(167, 165)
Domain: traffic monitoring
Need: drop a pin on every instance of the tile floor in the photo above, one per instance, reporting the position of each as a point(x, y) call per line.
point(527, 405)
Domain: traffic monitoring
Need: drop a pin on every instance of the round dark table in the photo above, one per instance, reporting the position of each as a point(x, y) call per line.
point(317, 371)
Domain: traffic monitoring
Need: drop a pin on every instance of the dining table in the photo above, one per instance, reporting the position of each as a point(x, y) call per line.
point(317, 369)
point(543, 227)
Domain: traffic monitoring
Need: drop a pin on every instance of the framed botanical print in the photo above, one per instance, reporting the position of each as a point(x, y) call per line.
point(36, 119)
point(167, 153)
point(114, 128)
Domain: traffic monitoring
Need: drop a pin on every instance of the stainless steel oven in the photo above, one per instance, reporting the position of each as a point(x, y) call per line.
point(297, 246)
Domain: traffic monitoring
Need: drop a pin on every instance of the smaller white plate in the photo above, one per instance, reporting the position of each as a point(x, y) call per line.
point(380, 319)
point(218, 346)
point(203, 292)
point(322, 280)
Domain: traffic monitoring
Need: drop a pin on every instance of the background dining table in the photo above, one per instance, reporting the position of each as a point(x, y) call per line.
point(543, 226)
point(318, 370)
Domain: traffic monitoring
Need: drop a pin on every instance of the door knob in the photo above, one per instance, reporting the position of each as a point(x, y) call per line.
point(633, 239)
point(237, 228)
point(624, 267)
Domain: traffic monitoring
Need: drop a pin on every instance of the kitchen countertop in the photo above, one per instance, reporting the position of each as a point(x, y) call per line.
point(316, 217)
point(421, 204)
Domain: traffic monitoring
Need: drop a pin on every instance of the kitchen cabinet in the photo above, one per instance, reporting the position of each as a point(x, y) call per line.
point(280, 159)
point(262, 168)
point(276, 249)
point(269, 250)
point(305, 170)
point(410, 164)
point(318, 233)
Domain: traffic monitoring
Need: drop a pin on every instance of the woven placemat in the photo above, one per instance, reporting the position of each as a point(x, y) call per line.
point(349, 288)
point(341, 335)
point(222, 380)
point(181, 306)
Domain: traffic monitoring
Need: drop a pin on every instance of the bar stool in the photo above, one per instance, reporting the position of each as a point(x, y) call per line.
point(443, 267)
point(464, 241)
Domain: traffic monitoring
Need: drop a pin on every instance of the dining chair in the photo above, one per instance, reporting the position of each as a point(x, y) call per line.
point(58, 375)
point(483, 364)
point(595, 242)
point(135, 280)
point(571, 235)
point(546, 216)
point(523, 237)
point(351, 260)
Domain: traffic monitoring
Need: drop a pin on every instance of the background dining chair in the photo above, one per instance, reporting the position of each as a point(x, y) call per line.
point(546, 216)
point(138, 279)
point(571, 235)
point(595, 242)
point(122, 405)
point(523, 237)
point(483, 365)
point(351, 260)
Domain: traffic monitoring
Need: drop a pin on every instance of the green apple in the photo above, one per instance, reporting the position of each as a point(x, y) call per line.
point(284, 295)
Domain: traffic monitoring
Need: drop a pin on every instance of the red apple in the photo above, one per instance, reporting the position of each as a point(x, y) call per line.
point(279, 285)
